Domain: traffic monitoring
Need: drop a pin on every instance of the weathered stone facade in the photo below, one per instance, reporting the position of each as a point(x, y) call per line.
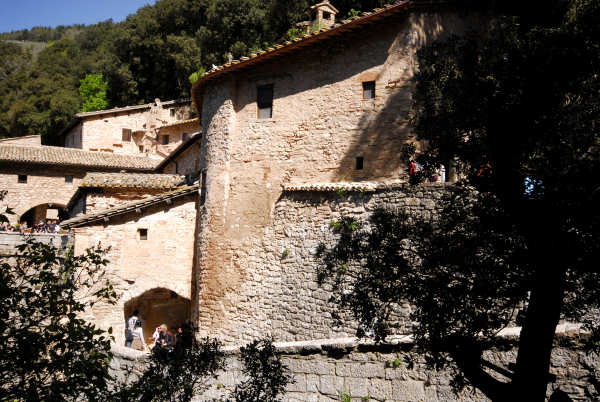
point(321, 123)
point(44, 185)
point(104, 130)
point(151, 270)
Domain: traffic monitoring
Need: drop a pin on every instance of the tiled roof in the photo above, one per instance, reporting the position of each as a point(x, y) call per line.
point(182, 123)
point(129, 108)
point(132, 180)
point(298, 43)
point(127, 207)
point(358, 187)
point(59, 156)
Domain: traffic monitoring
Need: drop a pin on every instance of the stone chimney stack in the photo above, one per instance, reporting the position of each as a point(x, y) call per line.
point(322, 15)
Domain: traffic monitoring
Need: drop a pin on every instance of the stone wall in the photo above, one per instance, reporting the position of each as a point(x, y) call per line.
point(328, 370)
point(105, 132)
point(163, 261)
point(176, 133)
point(9, 241)
point(44, 185)
point(321, 123)
point(186, 163)
point(271, 285)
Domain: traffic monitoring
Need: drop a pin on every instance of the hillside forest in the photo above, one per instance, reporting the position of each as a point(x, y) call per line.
point(49, 74)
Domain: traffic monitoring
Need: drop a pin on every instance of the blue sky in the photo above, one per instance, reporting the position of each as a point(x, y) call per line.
point(22, 14)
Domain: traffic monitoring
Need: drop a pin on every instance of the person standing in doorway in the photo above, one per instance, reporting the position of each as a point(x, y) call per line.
point(134, 335)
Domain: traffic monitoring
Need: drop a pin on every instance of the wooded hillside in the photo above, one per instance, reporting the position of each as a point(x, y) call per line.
point(149, 55)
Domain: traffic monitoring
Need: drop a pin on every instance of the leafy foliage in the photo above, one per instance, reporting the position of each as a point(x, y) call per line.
point(93, 92)
point(266, 375)
point(48, 352)
point(518, 106)
point(157, 52)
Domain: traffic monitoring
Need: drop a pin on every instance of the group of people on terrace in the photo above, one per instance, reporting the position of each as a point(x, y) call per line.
point(50, 226)
point(162, 339)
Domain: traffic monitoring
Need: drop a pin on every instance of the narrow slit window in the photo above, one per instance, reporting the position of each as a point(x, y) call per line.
point(126, 135)
point(143, 234)
point(22, 179)
point(264, 100)
point(69, 179)
point(369, 90)
point(203, 189)
point(359, 163)
point(164, 139)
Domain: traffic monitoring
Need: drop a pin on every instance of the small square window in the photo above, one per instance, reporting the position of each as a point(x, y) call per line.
point(143, 233)
point(185, 137)
point(164, 139)
point(369, 90)
point(359, 163)
point(264, 100)
point(69, 179)
point(22, 179)
point(141, 148)
point(326, 15)
point(126, 136)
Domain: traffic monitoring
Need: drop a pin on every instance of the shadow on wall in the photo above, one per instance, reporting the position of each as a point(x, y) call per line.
point(385, 128)
point(159, 306)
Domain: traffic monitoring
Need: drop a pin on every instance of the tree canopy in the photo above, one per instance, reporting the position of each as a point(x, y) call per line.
point(152, 54)
point(518, 108)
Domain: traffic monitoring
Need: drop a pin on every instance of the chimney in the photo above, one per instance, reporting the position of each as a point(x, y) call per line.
point(322, 15)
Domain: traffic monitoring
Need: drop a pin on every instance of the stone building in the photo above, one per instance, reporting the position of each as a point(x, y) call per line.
point(42, 178)
point(132, 130)
point(151, 247)
point(295, 136)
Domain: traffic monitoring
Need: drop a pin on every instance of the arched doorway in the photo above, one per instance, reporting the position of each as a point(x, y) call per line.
point(44, 211)
point(159, 306)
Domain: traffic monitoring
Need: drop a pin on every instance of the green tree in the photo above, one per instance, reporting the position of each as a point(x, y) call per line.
point(93, 93)
point(48, 352)
point(518, 107)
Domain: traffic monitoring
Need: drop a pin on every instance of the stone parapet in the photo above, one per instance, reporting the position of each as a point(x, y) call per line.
point(9, 241)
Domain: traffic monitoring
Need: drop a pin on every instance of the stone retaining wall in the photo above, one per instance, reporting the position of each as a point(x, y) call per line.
point(9, 240)
point(333, 369)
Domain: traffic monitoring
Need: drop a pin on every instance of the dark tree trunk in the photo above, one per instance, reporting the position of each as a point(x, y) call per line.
point(531, 375)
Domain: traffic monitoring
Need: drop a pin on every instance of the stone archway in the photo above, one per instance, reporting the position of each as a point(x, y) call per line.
point(42, 212)
point(158, 306)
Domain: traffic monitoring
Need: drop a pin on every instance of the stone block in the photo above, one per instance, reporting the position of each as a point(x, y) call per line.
point(330, 385)
point(408, 391)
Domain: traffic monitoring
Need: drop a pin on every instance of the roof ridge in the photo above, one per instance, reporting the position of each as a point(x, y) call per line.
point(130, 206)
point(276, 47)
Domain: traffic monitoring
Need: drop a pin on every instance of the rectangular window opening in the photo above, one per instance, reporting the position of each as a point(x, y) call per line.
point(368, 90)
point(126, 135)
point(326, 15)
point(172, 111)
point(141, 148)
point(22, 179)
point(203, 189)
point(143, 233)
point(164, 139)
point(264, 100)
point(185, 137)
point(359, 163)
point(69, 179)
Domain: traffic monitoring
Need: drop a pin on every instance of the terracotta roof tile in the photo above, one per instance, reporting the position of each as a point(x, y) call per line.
point(124, 208)
point(59, 156)
point(131, 180)
point(181, 123)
